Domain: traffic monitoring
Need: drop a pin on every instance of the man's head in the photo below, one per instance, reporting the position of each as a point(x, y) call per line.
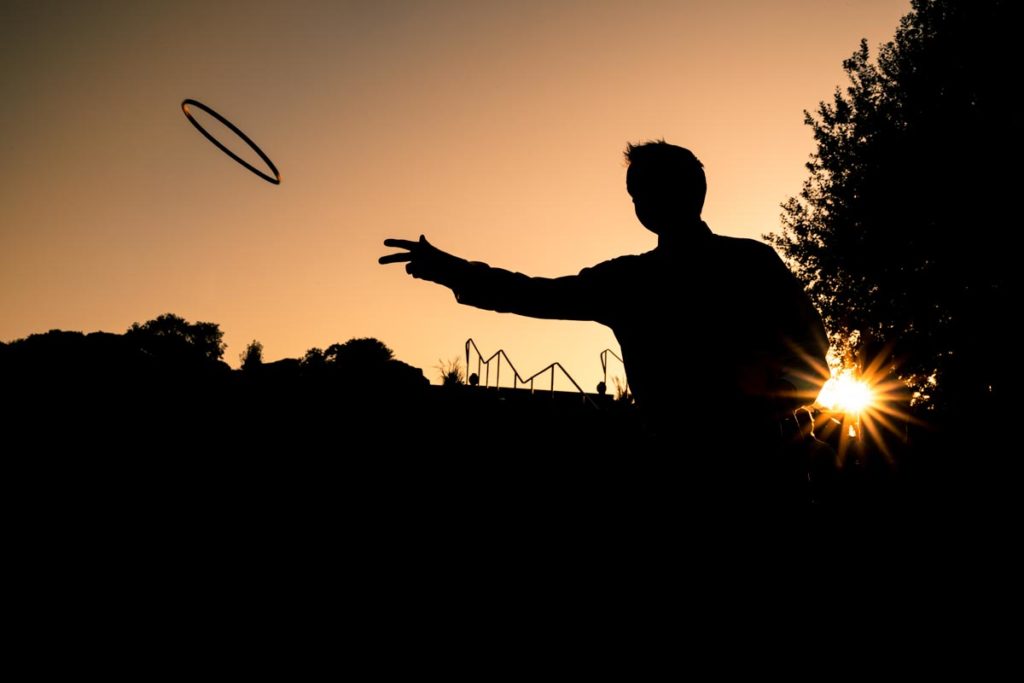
point(667, 185)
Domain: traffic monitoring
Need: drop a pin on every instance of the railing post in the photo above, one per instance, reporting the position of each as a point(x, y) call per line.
point(604, 364)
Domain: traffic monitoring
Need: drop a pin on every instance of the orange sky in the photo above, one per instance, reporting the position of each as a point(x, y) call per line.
point(495, 128)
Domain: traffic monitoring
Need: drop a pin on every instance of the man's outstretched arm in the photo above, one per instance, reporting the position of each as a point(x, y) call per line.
point(477, 284)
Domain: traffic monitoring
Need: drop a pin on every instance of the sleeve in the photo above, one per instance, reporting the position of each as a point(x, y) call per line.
point(802, 340)
point(572, 297)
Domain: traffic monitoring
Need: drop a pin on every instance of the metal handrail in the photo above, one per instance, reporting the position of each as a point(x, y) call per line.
point(517, 379)
point(604, 365)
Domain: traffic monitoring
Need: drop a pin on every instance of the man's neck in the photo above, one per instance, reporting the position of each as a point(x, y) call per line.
point(689, 234)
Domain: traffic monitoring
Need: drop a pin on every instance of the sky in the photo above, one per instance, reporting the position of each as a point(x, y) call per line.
point(494, 128)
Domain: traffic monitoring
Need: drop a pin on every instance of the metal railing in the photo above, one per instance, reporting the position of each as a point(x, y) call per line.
point(604, 366)
point(484, 366)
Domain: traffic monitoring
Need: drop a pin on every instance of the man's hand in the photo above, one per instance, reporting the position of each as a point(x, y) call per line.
point(425, 261)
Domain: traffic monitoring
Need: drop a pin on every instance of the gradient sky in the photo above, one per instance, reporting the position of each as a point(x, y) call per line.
point(495, 128)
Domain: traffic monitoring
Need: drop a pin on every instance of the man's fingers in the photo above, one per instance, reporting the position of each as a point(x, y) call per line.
point(395, 258)
point(401, 244)
point(398, 244)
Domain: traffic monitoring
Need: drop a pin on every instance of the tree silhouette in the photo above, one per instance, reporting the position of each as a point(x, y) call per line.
point(897, 233)
point(252, 357)
point(313, 361)
point(362, 352)
point(172, 334)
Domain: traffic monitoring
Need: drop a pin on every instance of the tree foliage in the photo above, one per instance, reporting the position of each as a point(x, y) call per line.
point(898, 233)
point(252, 357)
point(314, 360)
point(172, 333)
point(361, 352)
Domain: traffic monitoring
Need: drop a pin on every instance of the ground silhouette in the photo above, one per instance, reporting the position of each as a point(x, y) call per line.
point(111, 415)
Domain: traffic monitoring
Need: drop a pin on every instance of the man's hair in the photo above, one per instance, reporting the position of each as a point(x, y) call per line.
point(660, 166)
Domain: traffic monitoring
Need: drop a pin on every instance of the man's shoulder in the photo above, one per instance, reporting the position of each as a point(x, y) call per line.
point(619, 264)
point(746, 248)
point(743, 244)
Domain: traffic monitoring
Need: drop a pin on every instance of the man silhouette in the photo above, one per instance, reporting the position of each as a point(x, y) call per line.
point(718, 337)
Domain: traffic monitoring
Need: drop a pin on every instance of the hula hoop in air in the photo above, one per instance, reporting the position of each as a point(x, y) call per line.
point(274, 179)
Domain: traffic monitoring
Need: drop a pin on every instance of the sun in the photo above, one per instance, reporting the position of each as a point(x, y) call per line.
point(847, 394)
point(870, 404)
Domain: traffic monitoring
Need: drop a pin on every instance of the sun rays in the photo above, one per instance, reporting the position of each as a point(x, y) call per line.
point(869, 404)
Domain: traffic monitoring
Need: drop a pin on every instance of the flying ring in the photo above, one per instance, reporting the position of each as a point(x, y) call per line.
point(275, 179)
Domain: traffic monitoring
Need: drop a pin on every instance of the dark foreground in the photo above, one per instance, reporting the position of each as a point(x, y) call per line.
point(148, 423)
